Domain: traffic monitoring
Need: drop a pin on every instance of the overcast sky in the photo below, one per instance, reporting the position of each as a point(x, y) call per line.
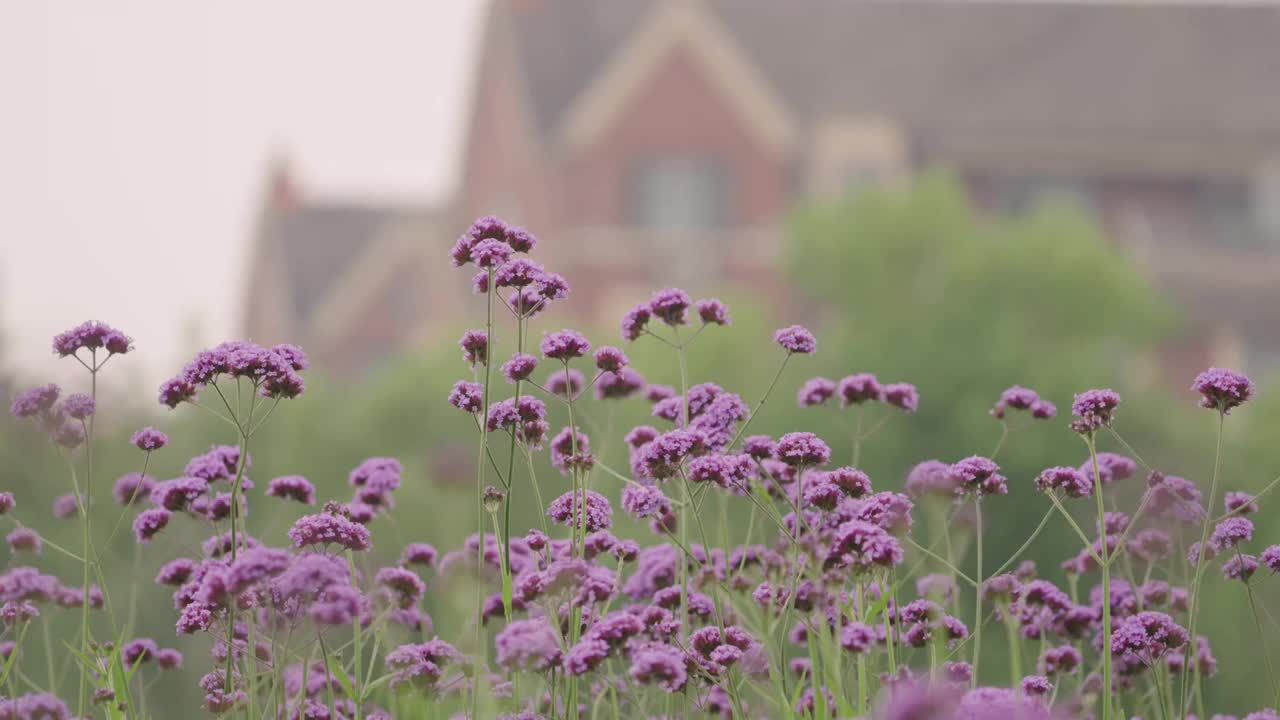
point(135, 138)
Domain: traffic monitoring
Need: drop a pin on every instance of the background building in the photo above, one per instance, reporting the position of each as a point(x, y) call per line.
point(627, 133)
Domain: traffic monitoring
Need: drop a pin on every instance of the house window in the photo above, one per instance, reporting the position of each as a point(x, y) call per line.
point(678, 194)
point(1232, 214)
point(1022, 193)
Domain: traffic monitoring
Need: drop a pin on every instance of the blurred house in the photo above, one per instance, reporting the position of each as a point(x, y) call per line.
point(661, 141)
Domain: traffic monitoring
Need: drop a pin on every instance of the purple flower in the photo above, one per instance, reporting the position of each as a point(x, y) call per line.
point(610, 359)
point(1014, 398)
point(635, 321)
point(1062, 659)
point(1043, 410)
point(418, 554)
point(712, 312)
point(132, 487)
point(292, 487)
point(564, 345)
point(36, 401)
point(857, 637)
point(467, 396)
point(587, 508)
point(815, 391)
point(1070, 481)
point(660, 664)
point(1240, 503)
point(272, 371)
point(18, 611)
point(24, 540)
point(65, 506)
point(565, 382)
point(475, 346)
point(148, 439)
point(1147, 636)
point(644, 501)
point(404, 585)
point(7, 502)
point(79, 406)
point(1222, 389)
point(1231, 532)
point(980, 475)
point(860, 388)
point(931, 477)
point(1111, 468)
point(1271, 558)
point(862, 546)
point(760, 447)
point(328, 528)
point(622, 384)
point(517, 273)
point(91, 335)
point(802, 449)
point(178, 493)
point(1095, 408)
point(903, 396)
point(796, 339)
point(489, 254)
point(528, 645)
point(149, 522)
point(1240, 567)
point(670, 306)
point(519, 367)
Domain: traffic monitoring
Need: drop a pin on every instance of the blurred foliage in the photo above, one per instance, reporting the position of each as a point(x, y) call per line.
point(911, 284)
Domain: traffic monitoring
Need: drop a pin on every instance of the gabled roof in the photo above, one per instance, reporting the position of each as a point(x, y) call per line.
point(319, 244)
point(1063, 68)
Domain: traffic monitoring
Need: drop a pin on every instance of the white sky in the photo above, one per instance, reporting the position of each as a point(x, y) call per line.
point(135, 138)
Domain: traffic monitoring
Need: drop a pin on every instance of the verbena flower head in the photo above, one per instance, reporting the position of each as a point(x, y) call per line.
point(149, 439)
point(586, 508)
point(7, 502)
point(862, 546)
point(1240, 503)
point(79, 406)
point(472, 248)
point(671, 306)
point(712, 312)
point(92, 336)
point(1240, 567)
point(1147, 636)
point(802, 449)
point(34, 402)
point(931, 477)
point(610, 359)
point(980, 475)
point(149, 523)
point(329, 528)
point(796, 339)
point(467, 396)
point(815, 391)
point(273, 371)
point(903, 396)
point(859, 388)
point(564, 345)
point(1070, 481)
point(565, 383)
point(475, 346)
point(1112, 468)
point(619, 385)
point(1095, 409)
point(292, 487)
point(1271, 558)
point(65, 506)
point(1231, 532)
point(1222, 390)
point(635, 321)
point(24, 540)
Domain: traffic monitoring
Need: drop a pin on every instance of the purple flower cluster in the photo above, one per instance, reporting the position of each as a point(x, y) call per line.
point(1222, 390)
point(273, 372)
point(92, 336)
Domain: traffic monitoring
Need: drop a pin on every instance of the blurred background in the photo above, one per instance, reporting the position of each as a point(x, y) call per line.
point(963, 195)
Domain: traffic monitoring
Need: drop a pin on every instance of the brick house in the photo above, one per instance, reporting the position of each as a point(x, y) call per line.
point(623, 132)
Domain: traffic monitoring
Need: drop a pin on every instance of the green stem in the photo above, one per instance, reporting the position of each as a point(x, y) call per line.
point(484, 446)
point(1106, 581)
point(763, 399)
point(977, 594)
point(1192, 672)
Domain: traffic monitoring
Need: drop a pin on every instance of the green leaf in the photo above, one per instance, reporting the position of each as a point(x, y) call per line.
point(343, 679)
